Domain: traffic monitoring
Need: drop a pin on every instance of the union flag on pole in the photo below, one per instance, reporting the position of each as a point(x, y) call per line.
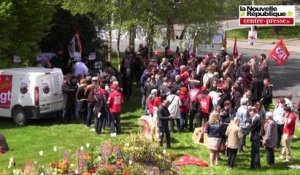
point(235, 50)
point(77, 35)
point(280, 53)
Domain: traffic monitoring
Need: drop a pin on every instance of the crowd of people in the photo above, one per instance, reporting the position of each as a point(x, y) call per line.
point(89, 96)
point(228, 96)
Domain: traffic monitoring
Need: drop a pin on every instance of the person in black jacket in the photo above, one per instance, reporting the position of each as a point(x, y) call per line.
point(69, 98)
point(256, 87)
point(267, 94)
point(126, 71)
point(255, 128)
point(100, 110)
point(3, 145)
point(164, 116)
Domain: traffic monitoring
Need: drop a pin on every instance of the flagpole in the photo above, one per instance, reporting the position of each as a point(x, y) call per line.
point(252, 27)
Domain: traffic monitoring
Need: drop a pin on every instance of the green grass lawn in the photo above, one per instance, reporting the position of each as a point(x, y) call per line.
point(42, 135)
point(267, 33)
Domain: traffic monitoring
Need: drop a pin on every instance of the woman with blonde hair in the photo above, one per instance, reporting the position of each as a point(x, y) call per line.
point(213, 129)
point(234, 134)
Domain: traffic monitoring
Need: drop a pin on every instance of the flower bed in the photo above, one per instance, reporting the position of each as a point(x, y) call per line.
point(136, 156)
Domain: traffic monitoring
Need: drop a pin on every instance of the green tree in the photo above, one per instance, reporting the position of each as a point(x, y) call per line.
point(23, 23)
point(102, 10)
point(63, 27)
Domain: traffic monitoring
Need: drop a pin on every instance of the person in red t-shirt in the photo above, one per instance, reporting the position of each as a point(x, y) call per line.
point(114, 103)
point(202, 106)
point(288, 132)
point(184, 108)
point(193, 93)
point(184, 74)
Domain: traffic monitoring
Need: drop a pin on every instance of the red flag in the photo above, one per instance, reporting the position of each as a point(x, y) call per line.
point(280, 53)
point(185, 160)
point(235, 50)
point(77, 35)
point(72, 46)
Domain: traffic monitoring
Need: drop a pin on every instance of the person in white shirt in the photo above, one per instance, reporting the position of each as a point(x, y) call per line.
point(289, 101)
point(80, 68)
point(215, 96)
point(206, 76)
point(175, 103)
point(278, 117)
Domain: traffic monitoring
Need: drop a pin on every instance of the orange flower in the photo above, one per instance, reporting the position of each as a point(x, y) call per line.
point(64, 166)
point(21, 168)
point(109, 169)
point(85, 173)
point(87, 156)
point(125, 172)
point(54, 165)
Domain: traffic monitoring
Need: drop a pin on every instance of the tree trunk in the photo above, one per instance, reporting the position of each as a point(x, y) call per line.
point(169, 32)
point(109, 43)
point(118, 43)
point(151, 29)
point(132, 33)
point(170, 23)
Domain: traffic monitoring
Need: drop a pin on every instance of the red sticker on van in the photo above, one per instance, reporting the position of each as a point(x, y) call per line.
point(5, 90)
point(23, 88)
point(46, 88)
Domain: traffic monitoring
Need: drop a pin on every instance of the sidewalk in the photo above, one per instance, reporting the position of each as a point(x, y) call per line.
point(293, 45)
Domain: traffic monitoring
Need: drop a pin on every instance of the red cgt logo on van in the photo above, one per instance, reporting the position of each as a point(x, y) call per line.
point(46, 88)
point(24, 88)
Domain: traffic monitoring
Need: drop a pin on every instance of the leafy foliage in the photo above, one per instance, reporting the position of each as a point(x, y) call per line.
point(63, 27)
point(23, 23)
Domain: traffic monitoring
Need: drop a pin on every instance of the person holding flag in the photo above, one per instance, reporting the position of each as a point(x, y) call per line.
point(263, 69)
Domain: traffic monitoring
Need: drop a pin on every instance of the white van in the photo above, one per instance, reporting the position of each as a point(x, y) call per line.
point(30, 93)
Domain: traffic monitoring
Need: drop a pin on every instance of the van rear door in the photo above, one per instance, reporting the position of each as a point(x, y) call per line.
point(56, 85)
point(50, 92)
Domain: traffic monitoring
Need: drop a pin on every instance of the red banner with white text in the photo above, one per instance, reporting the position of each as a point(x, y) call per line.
point(5, 90)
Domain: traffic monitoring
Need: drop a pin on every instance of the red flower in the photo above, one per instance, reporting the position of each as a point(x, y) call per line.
point(54, 165)
point(28, 163)
point(119, 163)
point(92, 170)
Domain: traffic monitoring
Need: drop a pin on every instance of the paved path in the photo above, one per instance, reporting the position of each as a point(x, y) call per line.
point(293, 45)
